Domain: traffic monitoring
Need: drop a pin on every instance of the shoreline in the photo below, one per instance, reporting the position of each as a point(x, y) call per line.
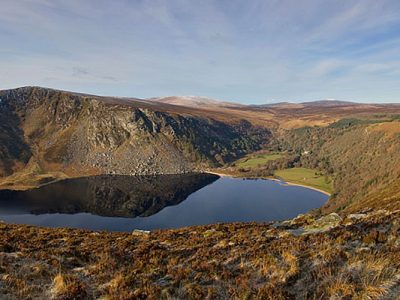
point(307, 186)
point(282, 182)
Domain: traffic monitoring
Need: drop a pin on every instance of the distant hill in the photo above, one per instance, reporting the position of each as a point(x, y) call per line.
point(194, 101)
point(330, 103)
point(278, 105)
point(317, 103)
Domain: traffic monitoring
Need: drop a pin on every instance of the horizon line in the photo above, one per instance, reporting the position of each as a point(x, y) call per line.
point(272, 102)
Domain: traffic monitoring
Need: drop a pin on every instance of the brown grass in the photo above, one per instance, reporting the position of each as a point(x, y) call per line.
point(390, 128)
point(225, 261)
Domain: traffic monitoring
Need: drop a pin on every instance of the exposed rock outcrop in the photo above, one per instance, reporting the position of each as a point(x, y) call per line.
point(82, 134)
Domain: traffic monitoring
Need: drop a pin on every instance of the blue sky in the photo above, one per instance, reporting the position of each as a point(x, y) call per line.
point(246, 51)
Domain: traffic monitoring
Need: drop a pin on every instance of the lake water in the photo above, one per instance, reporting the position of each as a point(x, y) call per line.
point(124, 203)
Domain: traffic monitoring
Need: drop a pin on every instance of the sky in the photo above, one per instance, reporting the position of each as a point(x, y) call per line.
point(254, 51)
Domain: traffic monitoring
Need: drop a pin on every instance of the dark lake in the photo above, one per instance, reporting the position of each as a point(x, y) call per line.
point(124, 203)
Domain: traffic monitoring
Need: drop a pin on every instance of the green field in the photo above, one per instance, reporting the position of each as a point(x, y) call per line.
point(306, 177)
point(255, 160)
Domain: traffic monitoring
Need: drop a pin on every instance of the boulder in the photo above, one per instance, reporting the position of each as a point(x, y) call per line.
point(323, 224)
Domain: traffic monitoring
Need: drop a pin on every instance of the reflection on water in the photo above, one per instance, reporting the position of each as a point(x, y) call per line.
point(111, 196)
point(124, 203)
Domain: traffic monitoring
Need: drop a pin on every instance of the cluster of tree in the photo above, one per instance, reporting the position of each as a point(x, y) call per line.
point(216, 143)
point(268, 168)
point(361, 161)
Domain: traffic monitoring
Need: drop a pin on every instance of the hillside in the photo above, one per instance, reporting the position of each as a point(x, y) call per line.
point(356, 160)
point(49, 134)
point(328, 258)
point(363, 156)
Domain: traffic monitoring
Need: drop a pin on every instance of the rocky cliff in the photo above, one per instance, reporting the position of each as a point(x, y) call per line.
point(47, 131)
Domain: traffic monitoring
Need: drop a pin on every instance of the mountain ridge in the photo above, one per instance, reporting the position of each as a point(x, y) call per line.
point(181, 99)
point(51, 134)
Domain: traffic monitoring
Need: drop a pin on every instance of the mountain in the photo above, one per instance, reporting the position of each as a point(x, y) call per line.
point(47, 134)
point(328, 103)
point(194, 101)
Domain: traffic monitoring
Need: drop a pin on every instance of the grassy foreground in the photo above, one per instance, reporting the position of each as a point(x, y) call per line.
point(357, 257)
point(307, 177)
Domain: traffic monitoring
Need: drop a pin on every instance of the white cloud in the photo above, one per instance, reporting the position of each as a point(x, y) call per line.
point(235, 49)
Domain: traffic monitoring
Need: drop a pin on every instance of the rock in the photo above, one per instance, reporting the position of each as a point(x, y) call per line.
point(212, 233)
point(363, 249)
point(221, 244)
point(302, 220)
point(283, 224)
point(352, 218)
point(306, 224)
point(332, 219)
point(296, 232)
point(140, 232)
point(284, 234)
point(356, 216)
point(323, 224)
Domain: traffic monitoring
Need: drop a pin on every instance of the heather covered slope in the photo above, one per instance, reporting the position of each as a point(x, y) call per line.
point(329, 258)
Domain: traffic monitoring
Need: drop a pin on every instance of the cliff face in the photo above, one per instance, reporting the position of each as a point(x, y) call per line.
point(14, 152)
point(54, 131)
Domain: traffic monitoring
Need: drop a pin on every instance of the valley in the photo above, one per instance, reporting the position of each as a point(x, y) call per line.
point(200, 150)
point(128, 203)
point(344, 247)
point(349, 150)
